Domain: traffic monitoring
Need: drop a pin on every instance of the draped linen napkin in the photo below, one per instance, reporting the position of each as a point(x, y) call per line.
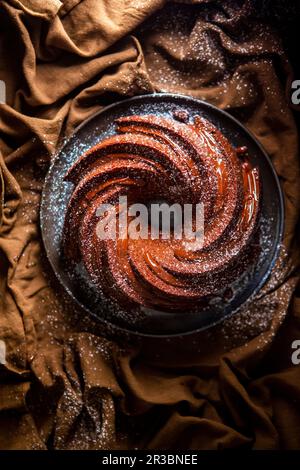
point(65, 382)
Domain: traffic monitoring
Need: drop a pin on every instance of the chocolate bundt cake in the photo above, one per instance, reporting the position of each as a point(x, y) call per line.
point(178, 160)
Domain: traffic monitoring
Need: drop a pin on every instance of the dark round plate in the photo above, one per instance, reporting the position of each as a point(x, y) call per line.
point(56, 194)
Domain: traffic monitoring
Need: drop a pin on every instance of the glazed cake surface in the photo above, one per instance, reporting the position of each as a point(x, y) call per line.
point(179, 160)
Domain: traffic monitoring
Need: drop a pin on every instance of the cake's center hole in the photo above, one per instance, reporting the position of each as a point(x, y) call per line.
point(164, 217)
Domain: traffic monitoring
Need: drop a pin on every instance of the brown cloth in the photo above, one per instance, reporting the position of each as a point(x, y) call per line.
point(66, 383)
